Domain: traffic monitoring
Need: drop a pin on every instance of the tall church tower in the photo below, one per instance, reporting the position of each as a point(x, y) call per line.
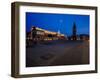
point(74, 32)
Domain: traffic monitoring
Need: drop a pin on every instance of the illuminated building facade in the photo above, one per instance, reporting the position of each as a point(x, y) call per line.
point(38, 35)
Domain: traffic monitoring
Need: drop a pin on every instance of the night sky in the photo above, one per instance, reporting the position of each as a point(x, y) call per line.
point(62, 22)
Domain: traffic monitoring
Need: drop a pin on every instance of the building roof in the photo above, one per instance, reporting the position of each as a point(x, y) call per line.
point(46, 31)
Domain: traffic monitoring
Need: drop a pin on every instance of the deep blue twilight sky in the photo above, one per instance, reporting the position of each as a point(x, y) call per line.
point(55, 22)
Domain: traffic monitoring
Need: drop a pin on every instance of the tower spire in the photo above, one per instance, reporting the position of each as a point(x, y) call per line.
point(58, 31)
point(74, 32)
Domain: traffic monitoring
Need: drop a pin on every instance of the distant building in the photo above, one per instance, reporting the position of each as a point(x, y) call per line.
point(84, 37)
point(80, 37)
